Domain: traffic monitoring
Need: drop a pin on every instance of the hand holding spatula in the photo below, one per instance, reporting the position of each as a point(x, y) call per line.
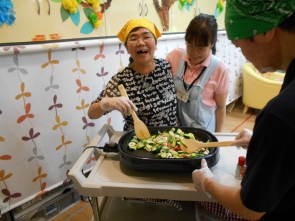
point(141, 130)
point(194, 145)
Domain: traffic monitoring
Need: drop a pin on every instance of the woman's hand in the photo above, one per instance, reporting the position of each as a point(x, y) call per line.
point(243, 139)
point(122, 104)
point(200, 175)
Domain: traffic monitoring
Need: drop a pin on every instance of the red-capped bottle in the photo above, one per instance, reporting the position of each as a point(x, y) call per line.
point(241, 167)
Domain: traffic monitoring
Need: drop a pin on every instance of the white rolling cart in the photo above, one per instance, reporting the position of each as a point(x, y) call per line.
point(109, 178)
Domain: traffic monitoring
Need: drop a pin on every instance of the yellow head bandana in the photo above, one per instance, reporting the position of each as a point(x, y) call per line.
point(140, 22)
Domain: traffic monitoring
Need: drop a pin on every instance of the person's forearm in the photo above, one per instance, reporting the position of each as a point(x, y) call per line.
point(230, 198)
point(95, 111)
point(220, 115)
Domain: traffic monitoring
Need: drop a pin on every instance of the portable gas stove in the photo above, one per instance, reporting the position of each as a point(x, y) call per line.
point(110, 178)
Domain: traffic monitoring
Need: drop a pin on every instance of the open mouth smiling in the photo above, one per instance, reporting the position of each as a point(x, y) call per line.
point(142, 52)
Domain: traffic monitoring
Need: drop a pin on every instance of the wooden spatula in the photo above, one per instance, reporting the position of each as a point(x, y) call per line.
point(141, 130)
point(194, 145)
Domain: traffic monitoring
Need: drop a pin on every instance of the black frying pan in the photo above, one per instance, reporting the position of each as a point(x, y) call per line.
point(145, 160)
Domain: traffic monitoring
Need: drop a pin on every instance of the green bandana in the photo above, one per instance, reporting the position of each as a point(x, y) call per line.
point(246, 18)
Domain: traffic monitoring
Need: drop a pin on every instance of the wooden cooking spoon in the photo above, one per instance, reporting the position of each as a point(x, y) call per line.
point(141, 130)
point(194, 145)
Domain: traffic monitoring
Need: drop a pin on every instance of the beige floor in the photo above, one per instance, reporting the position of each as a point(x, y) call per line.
point(235, 122)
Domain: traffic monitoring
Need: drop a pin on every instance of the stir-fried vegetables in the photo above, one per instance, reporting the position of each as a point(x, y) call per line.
point(167, 145)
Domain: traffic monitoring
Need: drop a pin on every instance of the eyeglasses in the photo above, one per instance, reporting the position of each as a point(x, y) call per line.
point(145, 39)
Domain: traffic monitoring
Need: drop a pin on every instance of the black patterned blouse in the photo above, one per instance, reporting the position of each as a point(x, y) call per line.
point(153, 94)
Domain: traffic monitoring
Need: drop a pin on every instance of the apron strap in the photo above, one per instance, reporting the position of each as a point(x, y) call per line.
point(209, 71)
point(181, 65)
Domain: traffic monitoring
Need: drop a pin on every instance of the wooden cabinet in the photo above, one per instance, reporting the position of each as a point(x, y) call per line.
point(208, 7)
point(122, 11)
point(179, 20)
point(48, 22)
point(150, 12)
point(43, 19)
point(220, 19)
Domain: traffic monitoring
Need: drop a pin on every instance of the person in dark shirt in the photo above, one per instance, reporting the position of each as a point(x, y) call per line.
point(264, 30)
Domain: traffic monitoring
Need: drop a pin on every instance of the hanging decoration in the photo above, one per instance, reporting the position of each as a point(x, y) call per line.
point(186, 4)
point(219, 8)
point(70, 9)
point(70, 5)
point(6, 12)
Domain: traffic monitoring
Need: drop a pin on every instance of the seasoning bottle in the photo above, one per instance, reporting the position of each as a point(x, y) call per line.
point(241, 167)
